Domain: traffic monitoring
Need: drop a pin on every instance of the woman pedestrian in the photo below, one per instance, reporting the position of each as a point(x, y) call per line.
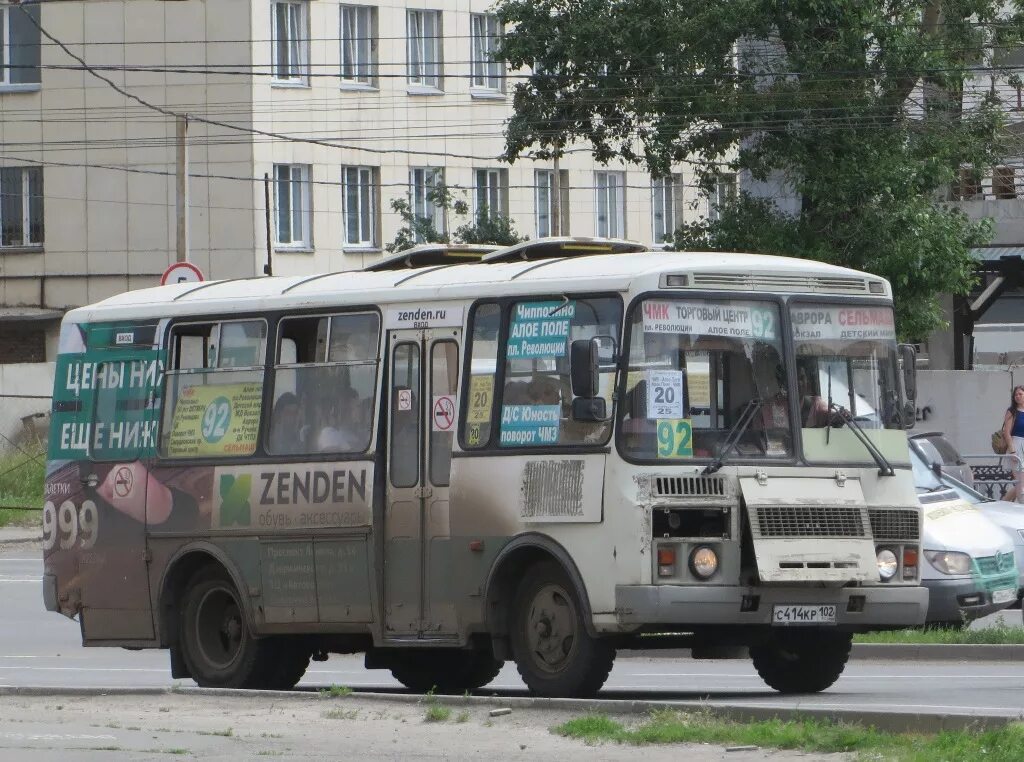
point(1013, 435)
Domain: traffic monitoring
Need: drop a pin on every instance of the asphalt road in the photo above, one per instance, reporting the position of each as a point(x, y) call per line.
point(39, 648)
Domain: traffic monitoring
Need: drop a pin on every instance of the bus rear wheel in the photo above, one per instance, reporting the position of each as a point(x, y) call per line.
point(218, 647)
point(445, 672)
point(553, 651)
point(801, 660)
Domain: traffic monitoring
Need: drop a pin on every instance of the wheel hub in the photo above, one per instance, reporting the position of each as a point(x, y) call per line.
point(551, 628)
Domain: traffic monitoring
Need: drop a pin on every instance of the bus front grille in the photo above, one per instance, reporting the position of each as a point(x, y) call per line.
point(809, 521)
point(894, 524)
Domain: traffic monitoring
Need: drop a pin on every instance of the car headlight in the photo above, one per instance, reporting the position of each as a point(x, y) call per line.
point(887, 564)
point(703, 562)
point(949, 561)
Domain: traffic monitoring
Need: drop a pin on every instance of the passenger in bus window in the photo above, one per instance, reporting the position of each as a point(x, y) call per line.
point(814, 412)
point(285, 426)
point(343, 430)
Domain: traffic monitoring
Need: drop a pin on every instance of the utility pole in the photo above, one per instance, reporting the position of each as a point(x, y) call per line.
point(268, 268)
point(556, 201)
point(181, 187)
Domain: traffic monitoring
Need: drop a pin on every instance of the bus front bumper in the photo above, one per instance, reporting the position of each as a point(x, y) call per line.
point(856, 607)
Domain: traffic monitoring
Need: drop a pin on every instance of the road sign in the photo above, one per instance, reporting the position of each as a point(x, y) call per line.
point(444, 412)
point(181, 272)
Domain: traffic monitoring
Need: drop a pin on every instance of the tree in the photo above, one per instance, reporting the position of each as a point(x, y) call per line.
point(494, 228)
point(850, 109)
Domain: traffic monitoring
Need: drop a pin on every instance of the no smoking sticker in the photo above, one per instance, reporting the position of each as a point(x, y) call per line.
point(443, 412)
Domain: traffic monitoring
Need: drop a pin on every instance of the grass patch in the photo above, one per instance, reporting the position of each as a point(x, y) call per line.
point(438, 713)
point(667, 726)
point(995, 635)
point(226, 733)
point(336, 691)
point(21, 486)
point(340, 714)
point(462, 717)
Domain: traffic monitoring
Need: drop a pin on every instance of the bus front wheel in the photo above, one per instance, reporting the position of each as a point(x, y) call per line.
point(216, 642)
point(553, 651)
point(801, 660)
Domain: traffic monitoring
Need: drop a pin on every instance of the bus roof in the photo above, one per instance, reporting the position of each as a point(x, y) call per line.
point(641, 271)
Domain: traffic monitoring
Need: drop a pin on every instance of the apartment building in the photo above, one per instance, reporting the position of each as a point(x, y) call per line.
point(332, 109)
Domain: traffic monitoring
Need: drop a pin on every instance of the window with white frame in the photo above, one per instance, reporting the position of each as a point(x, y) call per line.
point(294, 211)
point(359, 200)
point(544, 201)
point(610, 188)
point(424, 33)
point(725, 191)
point(359, 44)
point(19, 45)
point(666, 206)
point(422, 182)
point(21, 206)
point(490, 192)
point(486, 70)
point(290, 25)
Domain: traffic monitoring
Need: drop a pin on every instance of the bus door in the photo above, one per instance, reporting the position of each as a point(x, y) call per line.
point(423, 373)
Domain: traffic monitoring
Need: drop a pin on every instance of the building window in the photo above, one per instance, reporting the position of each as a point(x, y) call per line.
point(487, 72)
point(19, 45)
point(666, 206)
point(359, 198)
point(491, 192)
point(294, 212)
point(611, 204)
point(21, 206)
point(291, 41)
point(423, 182)
point(544, 203)
point(425, 48)
point(359, 44)
point(1003, 184)
point(725, 191)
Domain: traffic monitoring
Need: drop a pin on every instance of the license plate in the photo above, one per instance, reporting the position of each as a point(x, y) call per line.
point(1004, 595)
point(785, 616)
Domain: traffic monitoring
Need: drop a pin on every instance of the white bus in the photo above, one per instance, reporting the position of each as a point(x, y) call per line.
point(554, 452)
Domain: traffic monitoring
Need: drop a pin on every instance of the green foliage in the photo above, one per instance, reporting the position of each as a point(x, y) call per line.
point(851, 110)
point(667, 726)
point(1000, 634)
point(21, 486)
point(438, 713)
point(336, 691)
point(494, 228)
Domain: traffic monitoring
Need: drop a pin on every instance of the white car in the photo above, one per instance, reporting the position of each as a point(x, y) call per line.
point(973, 566)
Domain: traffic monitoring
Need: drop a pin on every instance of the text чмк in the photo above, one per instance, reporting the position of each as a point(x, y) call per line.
point(291, 488)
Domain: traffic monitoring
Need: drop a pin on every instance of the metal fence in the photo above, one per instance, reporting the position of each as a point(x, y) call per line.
point(993, 474)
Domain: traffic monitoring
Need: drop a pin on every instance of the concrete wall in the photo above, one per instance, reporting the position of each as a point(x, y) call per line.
point(28, 379)
point(967, 405)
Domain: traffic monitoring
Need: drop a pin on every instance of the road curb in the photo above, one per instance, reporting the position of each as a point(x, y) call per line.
point(20, 540)
point(881, 652)
point(896, 722)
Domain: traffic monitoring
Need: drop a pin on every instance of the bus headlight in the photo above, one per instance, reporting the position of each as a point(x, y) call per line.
point(949, 561)
point(887, 564)
point(703, 562)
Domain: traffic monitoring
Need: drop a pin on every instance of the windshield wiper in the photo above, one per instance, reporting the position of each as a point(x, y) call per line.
point(737, 431)
point(845, 416)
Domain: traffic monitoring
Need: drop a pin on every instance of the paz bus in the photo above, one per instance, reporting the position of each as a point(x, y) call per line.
point(544, 454)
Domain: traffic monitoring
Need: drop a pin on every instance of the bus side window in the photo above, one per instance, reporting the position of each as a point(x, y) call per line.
point(214, 389)
point(480, 381)
point(325, 378)
point(444, 379)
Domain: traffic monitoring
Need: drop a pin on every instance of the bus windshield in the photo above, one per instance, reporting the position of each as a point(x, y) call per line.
point(846, 355)
point(694, 365)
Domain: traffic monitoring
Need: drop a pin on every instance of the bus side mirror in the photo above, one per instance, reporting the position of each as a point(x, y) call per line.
point(589, 409)
point(584, 361)
point(908, 365)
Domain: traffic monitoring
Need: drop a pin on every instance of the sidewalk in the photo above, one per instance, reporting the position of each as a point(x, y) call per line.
point(12, 535)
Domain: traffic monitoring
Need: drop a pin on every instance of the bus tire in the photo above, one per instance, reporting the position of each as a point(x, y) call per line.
point(447, 672)
point(216, 642)
point(553, 651)
point(801, 660)
point(288, 662)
